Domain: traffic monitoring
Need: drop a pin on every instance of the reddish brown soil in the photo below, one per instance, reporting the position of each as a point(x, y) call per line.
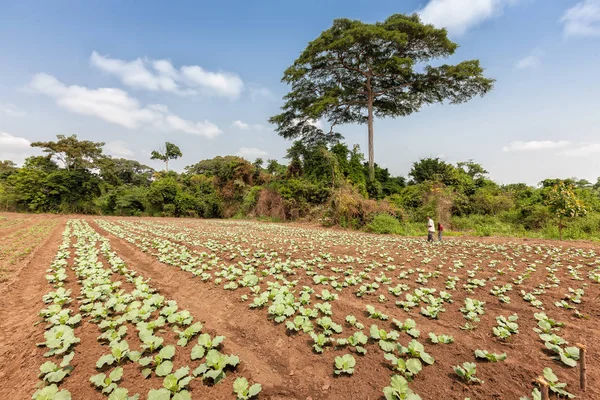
point(19, 236)
point(20, 304)
point(508, 380)
point(285, 364)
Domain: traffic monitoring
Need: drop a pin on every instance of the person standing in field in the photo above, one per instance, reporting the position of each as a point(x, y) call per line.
point(440, 231)
point(430, 229)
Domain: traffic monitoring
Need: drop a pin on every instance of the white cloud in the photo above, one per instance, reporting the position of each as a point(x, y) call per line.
point(117, 107)
point(246, 127)
point(241, 125)
point(118, 148)
point(535, 145)
point(10, 142)
point(203, 128)
point(160, 75)
point(14, 148)
point(532, 61)
point(583, 19)
point(11, 110)
point(135, 74)
point(458, 16)
point(222, 83)
point(582, 150)
point(250, 153)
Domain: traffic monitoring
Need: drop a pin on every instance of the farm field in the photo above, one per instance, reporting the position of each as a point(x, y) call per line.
point(181, 308)
point(19, 236)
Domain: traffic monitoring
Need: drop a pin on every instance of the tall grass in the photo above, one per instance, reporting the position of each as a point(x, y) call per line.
point(585, 228)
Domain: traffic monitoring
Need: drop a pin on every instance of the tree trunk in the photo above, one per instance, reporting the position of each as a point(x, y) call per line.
point(560, 228)
point(370, 124)
point(167, 165)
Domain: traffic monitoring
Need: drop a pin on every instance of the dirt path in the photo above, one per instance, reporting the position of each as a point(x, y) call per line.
point(19, 305)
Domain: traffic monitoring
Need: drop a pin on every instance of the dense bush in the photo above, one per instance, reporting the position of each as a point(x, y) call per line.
point(384, 223)
point(323, 180)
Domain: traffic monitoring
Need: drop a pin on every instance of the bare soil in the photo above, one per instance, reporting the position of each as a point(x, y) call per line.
point(284, 363)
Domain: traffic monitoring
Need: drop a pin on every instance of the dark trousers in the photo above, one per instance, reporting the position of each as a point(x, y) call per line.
point(440, 234)
point(430, 236)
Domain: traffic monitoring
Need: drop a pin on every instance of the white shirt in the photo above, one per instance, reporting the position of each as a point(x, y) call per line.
point(430, 226)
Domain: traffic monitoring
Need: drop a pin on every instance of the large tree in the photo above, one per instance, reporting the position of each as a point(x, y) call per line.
point(355, 71)
point(170, 152)
point(71, 152)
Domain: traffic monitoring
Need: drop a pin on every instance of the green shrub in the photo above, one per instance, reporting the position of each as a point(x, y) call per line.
point(384, 223)
point(250, 199)
point(168, 210)
point(584, 228)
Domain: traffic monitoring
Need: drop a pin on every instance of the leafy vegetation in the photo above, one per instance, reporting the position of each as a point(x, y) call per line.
point(344, 364)
point(399, 390)
point(467, 371)
point(305, 288)
point(493, 357)
point(243, 390)
point(324, 180)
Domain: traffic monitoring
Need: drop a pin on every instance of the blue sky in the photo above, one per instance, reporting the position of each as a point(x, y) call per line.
point(206, 76)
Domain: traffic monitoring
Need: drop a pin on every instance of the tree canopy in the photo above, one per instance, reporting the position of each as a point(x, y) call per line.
point(355, 71)
point(170, 152)
point(72, 152)
point(564, 203)
point(321, 179)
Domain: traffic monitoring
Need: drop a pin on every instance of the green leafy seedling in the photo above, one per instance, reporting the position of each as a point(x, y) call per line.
point(445, 339)
point(556, 386)
point(399, 390)
point(177, 381)
point(161, 363)
point(205, 343)
point(243, 390)
point(118, 352)
point(107, 383)
point(409, 326)
point(52, 393)
point(345, 364)
point(165, 394)
point(387, 340)
point(417, 350)
point(214, 367)
point(492, 357)
point(53, 373)
point(373, 313)
point(467, 372)
point(408, 368)
point(188, 333)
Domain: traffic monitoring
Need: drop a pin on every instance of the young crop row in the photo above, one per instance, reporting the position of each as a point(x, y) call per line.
point(60, 322)
point(121, 315)
point(19, 244)
point(263, 274)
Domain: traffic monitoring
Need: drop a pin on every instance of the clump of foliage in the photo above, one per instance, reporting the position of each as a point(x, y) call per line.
point(467, 371)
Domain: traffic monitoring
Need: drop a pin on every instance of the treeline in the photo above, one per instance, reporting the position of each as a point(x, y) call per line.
point(323, 181)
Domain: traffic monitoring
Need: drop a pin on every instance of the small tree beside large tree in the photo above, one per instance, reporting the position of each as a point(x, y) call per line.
point(356, 71)
point(564, 203)
point(170, 152)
